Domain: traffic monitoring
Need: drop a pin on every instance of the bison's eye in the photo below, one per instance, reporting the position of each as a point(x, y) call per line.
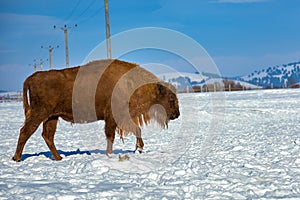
point(172, 99)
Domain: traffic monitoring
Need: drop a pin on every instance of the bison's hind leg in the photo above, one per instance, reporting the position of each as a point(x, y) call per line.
point(49, 128)
point(29, 127)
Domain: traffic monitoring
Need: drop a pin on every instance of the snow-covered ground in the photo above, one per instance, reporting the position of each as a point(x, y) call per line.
point(237, 145)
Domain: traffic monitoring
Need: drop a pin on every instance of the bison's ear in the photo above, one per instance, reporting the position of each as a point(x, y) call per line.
point(161, 89)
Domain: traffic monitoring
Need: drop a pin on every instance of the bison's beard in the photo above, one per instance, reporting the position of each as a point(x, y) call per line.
point(156, 113)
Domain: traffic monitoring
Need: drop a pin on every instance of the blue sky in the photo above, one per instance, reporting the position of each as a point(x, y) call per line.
point(240, 35)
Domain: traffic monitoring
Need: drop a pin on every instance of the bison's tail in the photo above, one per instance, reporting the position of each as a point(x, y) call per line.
point(25, 96)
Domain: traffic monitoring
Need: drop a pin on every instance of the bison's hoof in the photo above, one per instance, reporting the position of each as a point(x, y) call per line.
point(109, 155)
point(57, 158)
point(17, 160)
point(140, 150)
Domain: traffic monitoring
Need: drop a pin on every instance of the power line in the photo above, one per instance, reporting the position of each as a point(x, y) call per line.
point(65, 28)
point(85, 10)
point(91, 15)
point(73, 10)
point(56, 40)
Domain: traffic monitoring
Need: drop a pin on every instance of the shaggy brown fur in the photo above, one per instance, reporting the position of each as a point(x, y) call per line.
point(122, 94)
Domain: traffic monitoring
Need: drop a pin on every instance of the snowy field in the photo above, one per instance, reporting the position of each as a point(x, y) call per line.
point(237, 145)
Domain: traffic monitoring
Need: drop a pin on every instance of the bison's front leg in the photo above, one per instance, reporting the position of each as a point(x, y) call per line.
point(49, 128)
point(139, 141)
point(110, 130)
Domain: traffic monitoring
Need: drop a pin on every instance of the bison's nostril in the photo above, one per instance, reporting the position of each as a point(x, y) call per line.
point(174, 115)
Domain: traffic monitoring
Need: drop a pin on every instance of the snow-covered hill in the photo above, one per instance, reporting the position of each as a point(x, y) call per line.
point(275, 77)
point(184, 81)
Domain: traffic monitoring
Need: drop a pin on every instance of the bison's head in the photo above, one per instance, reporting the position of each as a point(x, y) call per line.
point(154, 101)
point(168, 100)
point(138, 100)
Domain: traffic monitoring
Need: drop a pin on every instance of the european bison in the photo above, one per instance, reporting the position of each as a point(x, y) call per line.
point(122, 94)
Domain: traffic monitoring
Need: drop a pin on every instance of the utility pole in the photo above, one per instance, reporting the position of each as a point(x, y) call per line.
point(65, 29)
point(34, 65)
point(41, 64)
point(108, 42)
point(50, 54)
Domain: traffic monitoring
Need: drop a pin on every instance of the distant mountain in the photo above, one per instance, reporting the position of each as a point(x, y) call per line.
point(184, 80)
point(196, 81)
point(2, 91)
point(275, 77)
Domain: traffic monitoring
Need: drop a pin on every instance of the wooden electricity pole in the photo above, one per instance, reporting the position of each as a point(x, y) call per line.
point(65, 29)
point(108, 42)
point(34, 65)
point(50, 54)
point(41, 64)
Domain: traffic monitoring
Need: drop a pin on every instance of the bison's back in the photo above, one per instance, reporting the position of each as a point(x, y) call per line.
point(98, 81)
point(82, 94)
point(93, 88)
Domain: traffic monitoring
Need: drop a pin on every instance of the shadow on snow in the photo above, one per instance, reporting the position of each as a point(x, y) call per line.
point(48, 154)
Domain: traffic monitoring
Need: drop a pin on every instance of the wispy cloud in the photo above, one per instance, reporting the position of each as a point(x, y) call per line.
point(238, 1)
point(12, 23)
point(2, 51)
